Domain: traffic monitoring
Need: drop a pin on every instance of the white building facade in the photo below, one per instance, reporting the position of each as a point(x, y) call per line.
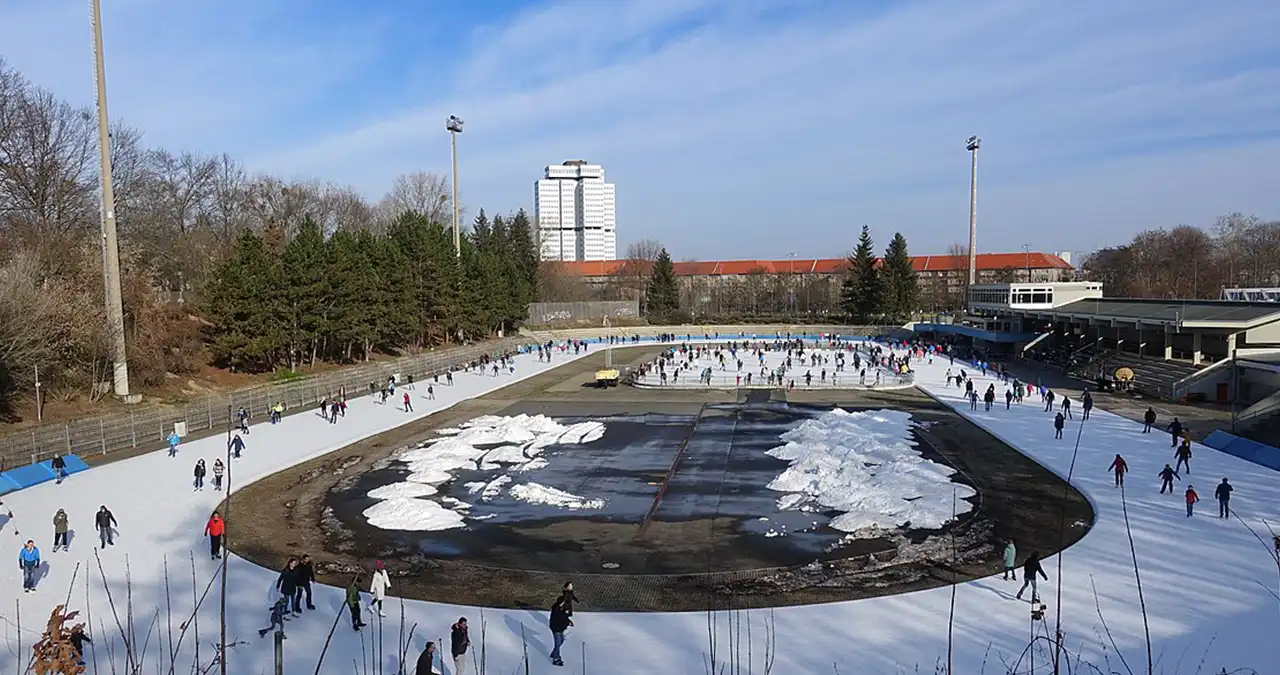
point(576, 213)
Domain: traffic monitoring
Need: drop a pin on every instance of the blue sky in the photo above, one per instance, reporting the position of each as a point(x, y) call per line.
point(733, 128)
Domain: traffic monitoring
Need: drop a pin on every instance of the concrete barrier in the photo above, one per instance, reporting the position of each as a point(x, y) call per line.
point(1250, 451)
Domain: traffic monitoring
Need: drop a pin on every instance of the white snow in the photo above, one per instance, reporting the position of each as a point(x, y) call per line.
point(412, 514)
point(865, 464)
point(536, 493)
point(406, 490)
point(1205, 580)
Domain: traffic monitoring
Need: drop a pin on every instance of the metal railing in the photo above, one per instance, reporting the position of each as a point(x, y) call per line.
point(147, 426)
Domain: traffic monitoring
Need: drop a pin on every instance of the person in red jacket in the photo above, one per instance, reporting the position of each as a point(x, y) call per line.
point(1192, 498)
point(1120, 467)
point(215, 528)
point(408, 407)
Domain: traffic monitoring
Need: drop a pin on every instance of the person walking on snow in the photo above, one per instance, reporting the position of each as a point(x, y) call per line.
point(1192, 498)
point(199, 474)
point(1048, 400)
point(378, 587)
point(1223, 494)
point(1120, 468)
point(306, 575)
point(353, 602)
point(1066, 407)
point(215, 528)
point(1058, 423)
point(459, 641)
point(559, 623)
point(60, 531)
point(1183, 455)
point(1175, 430)
point(103, 522)
point(1167, 474)
point(1008, 398)
point(1030, 569)
point(287, 583)
point(243, 415)
point(1148, 419)
point(408, 407)
point(1086, 403)
point(29, 562)
point(218, 469)
point(237, 445)
point(173, 443)
point(1010, 567)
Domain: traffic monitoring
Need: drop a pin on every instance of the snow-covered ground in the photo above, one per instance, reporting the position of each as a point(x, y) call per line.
point(1207, 583)
point(865, 466)
point(823, 374)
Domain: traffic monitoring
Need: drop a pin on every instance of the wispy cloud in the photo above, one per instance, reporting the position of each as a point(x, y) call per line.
point(735, 128)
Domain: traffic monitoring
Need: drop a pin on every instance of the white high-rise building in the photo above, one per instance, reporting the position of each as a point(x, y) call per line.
point(576, 214)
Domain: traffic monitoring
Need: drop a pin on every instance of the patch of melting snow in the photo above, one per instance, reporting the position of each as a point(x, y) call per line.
point(864, 464)
point(489, 443)
point(536, 493)
point(412, 514)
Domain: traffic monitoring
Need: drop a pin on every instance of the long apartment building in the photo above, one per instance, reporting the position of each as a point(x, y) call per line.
point(813, 285)
point(576, 212)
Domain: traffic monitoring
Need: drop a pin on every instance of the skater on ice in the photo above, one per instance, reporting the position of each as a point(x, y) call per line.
point(174, 439)
point(103, 522)
point(29, 563)
point(199, 473)
point(215, 528)
point(1175, 430)
point(60, 531)
point(1030, 569)
point(1120, 468)
point(218, 469)
point(1183, 455)
point(459, 642)
point(306, 575)
point(1148, 419)
point(1223, 494)
point(1058, 423)
point(378, 588)
point(237, 446)
point(1191, 498)
point(1167, 474)
point(1010, 566)
point(353, 602)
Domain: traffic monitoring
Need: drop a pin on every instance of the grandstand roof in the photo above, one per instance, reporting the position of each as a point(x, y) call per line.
point(1190, 313)
point(921, 263)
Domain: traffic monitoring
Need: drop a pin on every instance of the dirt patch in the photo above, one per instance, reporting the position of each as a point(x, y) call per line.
point(1018, 499)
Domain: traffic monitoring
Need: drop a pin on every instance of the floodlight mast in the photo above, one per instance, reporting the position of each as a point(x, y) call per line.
point(454, 126)
point(972, 146)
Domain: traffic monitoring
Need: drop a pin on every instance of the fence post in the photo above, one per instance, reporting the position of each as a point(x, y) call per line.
point(133, 429)
point(102, 435)
point(209, 402)
point(33, 447)
point(67, 429)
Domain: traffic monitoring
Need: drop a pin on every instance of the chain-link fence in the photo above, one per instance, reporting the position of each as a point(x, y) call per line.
point(147, 426)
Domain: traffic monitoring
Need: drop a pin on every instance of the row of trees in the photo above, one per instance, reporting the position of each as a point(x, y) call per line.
point(278, 302)
point(872, 291)
point(1191, 262)
point(221, 265)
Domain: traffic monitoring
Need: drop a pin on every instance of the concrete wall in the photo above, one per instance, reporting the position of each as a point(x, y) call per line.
point(552, 313)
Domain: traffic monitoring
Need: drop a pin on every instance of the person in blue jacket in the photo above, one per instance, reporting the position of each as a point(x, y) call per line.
point(173, 443)
point(29, 562)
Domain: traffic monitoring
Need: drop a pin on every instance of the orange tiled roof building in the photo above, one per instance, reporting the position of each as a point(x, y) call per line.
point(809, 285)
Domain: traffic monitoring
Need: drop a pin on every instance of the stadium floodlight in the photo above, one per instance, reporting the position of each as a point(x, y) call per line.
point(970, 145)
point(454, 126)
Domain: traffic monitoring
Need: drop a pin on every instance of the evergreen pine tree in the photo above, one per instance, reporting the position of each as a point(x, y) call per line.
point(861, 295)
point(305, 292)
point(524, 252)
point(662, 295)
point(901, 293)
point(241, 305)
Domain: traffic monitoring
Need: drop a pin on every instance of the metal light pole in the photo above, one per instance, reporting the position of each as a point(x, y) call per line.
point(792, 293)
point(111, 248)
point(1026, 252)
point(454, 125)
point(972, 146)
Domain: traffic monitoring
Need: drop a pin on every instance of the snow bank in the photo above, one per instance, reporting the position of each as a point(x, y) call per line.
point(536, 493)
point(489, 443)
point(865, 465)
point(406, 490)
point(412, 514)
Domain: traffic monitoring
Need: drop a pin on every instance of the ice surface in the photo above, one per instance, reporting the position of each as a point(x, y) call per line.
point(865, 465)
point(412, 514)
point(536, 493)
point(1201, 575)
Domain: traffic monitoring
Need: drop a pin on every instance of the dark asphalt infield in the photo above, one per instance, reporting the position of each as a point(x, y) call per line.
point(683, 477)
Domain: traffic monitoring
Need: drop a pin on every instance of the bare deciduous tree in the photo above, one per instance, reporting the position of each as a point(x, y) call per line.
point(422, 192)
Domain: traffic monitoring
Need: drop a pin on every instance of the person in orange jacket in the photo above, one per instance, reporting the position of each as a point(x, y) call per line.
point(215, 528)
point(1120, 467)
point(1192, 498)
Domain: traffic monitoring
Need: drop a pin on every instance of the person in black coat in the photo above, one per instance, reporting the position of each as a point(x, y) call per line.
point(459, 641)
point(426, 661)
point(78, 638)
point(1148, 420)
point(306, 575)
point(559, 623)
point(1167, 474)
point(1175, 430)
point(1058, 423)
point(287, 584)
point(1030, 569)
point(1223, 495)
point(103, 521)
point(1087, 403)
